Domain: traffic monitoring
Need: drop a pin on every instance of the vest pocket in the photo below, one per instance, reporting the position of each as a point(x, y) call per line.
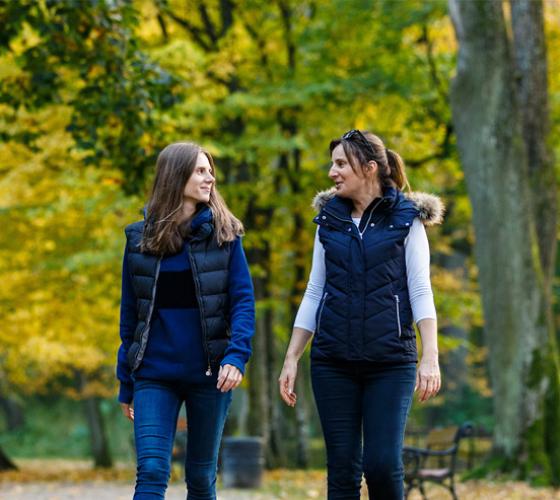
point(321, 307)
point(397, 300)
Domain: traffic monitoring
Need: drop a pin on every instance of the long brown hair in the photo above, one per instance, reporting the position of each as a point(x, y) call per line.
point(391, 169)
point(163, 234)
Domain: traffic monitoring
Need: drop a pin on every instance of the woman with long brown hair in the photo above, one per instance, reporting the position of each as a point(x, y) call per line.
point(187, 318)
point(369, 282)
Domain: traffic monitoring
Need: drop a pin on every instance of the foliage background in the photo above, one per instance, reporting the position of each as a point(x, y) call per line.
point(89, 93)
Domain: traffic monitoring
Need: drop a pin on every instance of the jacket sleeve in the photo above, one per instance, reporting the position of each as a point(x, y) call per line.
point(242, 309)
point(128, 319)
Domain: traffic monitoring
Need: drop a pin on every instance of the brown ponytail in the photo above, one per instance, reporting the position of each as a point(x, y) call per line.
point(391, 170)
point(397, 173)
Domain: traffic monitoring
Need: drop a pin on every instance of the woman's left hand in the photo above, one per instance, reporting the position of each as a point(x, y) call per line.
point(229, 377)
point(428, 378)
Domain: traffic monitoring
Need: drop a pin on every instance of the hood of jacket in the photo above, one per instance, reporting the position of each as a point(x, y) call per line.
point(430, 207)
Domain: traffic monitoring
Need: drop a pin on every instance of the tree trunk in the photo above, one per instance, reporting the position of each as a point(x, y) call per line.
point(277, 450)
point(530, 58)
point(302, 413)
point(97, 433)
point(5, 462)
point(259, 392)
point(531, 76)
point(13, 412)
point(522, 354)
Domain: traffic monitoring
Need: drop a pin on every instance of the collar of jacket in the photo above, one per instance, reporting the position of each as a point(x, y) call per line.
point(202, 223)
point(342, 208)
point(431, 208)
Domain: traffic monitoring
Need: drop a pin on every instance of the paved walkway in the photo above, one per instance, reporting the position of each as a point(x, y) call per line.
point(102, 491)
point(115, 490)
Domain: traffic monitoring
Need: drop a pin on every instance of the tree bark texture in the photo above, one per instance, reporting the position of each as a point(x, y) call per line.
point(489, 114)
point(532, 92)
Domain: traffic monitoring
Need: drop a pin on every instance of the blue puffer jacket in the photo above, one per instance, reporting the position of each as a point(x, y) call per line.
point(365, 311)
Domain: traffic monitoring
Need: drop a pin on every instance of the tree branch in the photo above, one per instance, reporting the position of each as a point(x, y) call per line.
point(443, 152)
point(210, 28)
point(196, 33)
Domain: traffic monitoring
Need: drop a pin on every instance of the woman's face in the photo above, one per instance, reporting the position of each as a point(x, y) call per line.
point(200, 183)
point(347, 182)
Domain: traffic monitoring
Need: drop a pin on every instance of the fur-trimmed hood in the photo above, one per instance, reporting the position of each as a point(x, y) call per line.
point(431, 207)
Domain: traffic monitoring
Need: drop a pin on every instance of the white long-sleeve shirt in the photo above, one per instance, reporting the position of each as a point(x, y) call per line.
point(417, 257)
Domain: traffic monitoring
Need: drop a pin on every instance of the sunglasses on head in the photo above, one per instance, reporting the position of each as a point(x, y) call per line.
point(358, 138)
point(351, 134)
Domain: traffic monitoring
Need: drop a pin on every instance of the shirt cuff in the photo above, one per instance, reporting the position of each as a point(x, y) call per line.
point(126, 392)
point(231, 360)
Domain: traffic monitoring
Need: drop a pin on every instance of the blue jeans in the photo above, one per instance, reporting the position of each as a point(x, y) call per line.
point(156, 408)
point(363, 409)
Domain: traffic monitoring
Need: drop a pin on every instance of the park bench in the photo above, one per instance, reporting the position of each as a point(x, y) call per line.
point(437, 462)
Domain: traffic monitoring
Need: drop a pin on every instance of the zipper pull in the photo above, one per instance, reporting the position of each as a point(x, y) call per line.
point(209, 371)
point(397, 298)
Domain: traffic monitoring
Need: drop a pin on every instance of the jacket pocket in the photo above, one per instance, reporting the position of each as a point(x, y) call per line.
point(397, 308)
point(320, 314)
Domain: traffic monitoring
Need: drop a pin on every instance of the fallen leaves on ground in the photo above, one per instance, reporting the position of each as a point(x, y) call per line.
point(277, 484)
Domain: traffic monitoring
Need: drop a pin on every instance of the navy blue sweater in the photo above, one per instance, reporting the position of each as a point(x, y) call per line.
point(175, 349)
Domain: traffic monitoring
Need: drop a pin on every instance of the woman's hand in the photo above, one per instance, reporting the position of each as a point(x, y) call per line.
point(128, 411)
point(229, 377)
point(287, 380)
point(428, 378)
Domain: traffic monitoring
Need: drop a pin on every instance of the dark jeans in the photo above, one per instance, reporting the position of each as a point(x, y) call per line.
point(363, 403)
point(156, 408)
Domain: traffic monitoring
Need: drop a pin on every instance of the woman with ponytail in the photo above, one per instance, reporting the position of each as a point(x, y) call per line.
point(187, 318)
point(369, 283)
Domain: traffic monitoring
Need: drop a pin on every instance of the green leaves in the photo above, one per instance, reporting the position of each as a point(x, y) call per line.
point(85, 54)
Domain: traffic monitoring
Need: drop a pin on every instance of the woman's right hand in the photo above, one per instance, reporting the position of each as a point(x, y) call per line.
point(287, 381)
point(128, 411)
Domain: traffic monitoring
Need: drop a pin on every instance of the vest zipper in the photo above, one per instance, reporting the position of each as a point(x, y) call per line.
point(208, 372)
point(362, 250)
point(369, 218)
point(321, 313)
point(397, 300)
point(143, 344)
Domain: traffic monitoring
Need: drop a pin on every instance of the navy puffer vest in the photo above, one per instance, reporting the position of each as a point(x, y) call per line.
point(210, 269)
point(365, 311)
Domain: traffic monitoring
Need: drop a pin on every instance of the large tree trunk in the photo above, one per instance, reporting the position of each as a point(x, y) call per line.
point(531, 75)
point(515, 296)
point(532, 93)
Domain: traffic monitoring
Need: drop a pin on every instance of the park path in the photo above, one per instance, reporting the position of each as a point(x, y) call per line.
point(103, 490)
point(113, 490)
